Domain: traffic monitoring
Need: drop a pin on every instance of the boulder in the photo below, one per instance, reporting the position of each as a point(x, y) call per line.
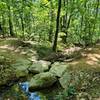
point(42, 80)
point(58, 69)
point(65, 80)
point(21, 67)
point(39, 66)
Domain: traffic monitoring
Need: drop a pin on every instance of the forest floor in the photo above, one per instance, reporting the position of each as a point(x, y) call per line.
point(87, 65)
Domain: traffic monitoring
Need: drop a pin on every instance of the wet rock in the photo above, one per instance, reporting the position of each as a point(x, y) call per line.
point(42, 80)
point(39, 66)
point(58, 69)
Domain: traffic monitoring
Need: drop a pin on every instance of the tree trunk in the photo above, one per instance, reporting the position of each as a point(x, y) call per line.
point(96, 14)
point(63, 23)
point(97, 8)
point(51, 22)
point(22, 23)
point(10, 22)
point(57, 26)
point(22, 19)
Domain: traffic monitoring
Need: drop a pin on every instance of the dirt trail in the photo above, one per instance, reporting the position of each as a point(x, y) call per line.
point(90, 57)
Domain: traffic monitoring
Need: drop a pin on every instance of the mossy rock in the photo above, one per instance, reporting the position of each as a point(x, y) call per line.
point(21, 67)
point(42, 80)
point(39, 66)
point(58, 69)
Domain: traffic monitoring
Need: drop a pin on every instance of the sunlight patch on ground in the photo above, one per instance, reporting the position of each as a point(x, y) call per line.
point(89, 49)
point(91, 63)
point(88, 59)
point(23, 52)
point(97, 55)
point(7, 47)
point(92, 57)
point(74, 63)
point(72, 49)
point(97, 99)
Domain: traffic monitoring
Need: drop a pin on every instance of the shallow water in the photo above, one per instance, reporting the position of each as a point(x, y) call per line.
point(20, 92)
point(31, 95)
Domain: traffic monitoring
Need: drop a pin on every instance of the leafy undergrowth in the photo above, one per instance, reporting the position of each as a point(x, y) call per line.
point(84, 83)
point(85, 70)
point(85, 73)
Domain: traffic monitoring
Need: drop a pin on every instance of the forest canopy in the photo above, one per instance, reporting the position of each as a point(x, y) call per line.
point(79, 20)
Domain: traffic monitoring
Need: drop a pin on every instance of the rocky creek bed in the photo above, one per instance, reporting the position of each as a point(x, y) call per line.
point(47, 80)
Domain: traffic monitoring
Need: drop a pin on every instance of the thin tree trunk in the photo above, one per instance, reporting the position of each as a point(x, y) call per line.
point(3, 23)
point(22, 20)
point(68, 23)
point(10, 22)
point(51, 22)
point(57, 26)
point(96, 14)
point(97, 8)
point(63, 19)
point(22, 23)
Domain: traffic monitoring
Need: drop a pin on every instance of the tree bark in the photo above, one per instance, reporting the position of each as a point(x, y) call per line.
point(57, 26)
point(51, 22)
point(10, 22)
point(22, 19)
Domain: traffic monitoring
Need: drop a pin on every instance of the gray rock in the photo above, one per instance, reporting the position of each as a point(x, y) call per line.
point(65, 80)
point(21, 67)
point(58, 69)
point(39, 66)
point(42, 80)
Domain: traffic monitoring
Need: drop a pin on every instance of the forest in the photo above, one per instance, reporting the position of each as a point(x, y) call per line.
point(49, 49)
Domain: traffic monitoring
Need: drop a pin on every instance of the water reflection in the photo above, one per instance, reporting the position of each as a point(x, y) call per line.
point(31, 95)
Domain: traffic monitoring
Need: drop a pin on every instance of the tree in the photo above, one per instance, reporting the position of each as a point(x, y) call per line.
point(0, 29)
point(51, 21)
point(10, 18)
point(78, 22)
point(57, 26)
